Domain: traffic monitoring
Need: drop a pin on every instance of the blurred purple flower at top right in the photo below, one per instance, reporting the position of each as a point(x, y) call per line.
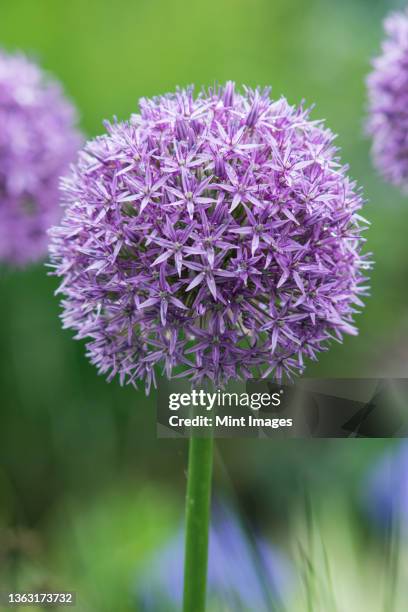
point(387, 86)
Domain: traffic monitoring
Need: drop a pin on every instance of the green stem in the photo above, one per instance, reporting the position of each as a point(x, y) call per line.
point(199, 478)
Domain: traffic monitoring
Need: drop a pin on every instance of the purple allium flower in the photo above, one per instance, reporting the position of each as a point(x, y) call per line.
point(216, 235)
point(388, 102)
point(386, 491)
point(38, 140)
point(243, 573)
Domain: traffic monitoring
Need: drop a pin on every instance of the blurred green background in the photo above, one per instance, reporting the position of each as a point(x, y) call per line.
point(86, 489)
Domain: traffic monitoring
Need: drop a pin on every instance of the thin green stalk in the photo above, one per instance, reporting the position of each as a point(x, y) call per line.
point(200, 463)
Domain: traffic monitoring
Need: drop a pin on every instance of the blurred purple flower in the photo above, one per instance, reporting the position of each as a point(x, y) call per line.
point(386, 493)
point(38, 140)
point(388, 102)
point(244, 574)
point(216, 235)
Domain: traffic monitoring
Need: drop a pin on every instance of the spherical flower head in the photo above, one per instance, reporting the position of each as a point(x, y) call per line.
point(215, 236)
point(387, 86)
point(38, 140)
